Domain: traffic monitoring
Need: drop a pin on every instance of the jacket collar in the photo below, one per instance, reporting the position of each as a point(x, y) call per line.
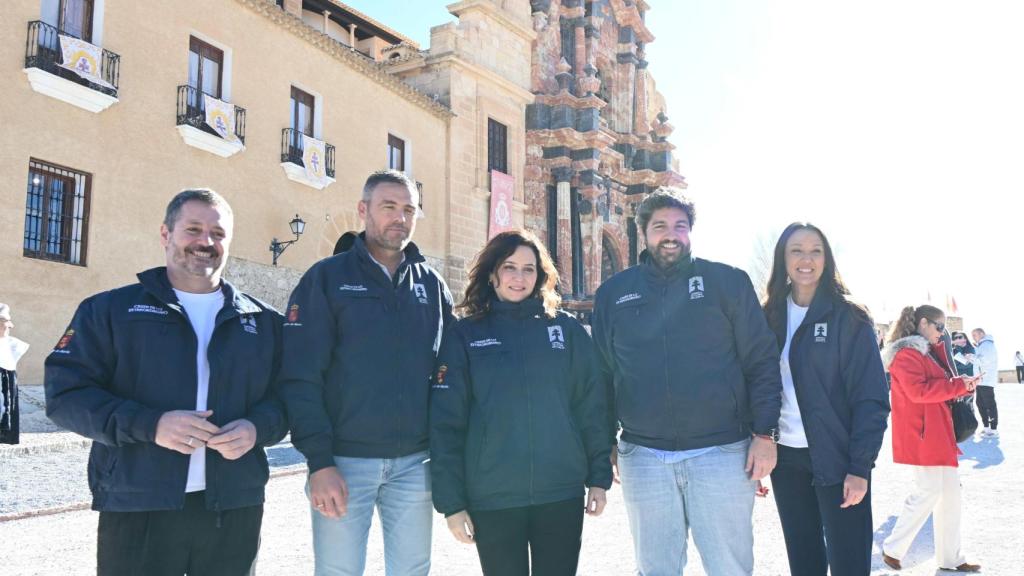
point(411, 251)
point(524, 309)
point(913, 342)
point(155, 282)
point(684, 269)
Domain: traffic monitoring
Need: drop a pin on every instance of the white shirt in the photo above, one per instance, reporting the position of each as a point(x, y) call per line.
point(791, 424)
point(202, 312)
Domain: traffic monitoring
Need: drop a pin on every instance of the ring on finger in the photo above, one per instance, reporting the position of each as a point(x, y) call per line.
point(190, 439)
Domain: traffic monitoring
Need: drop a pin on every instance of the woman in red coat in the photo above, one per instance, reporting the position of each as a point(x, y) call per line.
point(922, 435)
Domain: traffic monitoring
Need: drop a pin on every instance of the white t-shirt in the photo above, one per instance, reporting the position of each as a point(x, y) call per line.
point(202, 312)
point(791, 424)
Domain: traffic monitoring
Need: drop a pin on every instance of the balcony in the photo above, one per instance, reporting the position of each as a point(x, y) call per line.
point(192, 126)
point(43, 59)
point(294, 167)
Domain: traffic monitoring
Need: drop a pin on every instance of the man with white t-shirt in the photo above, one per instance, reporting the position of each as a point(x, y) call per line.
point(173, 380)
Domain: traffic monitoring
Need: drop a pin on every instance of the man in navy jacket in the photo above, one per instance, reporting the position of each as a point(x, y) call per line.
point(360, 340)
point(694, 372)
point(172, 378)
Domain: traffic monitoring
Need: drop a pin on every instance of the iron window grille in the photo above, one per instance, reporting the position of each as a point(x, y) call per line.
point(192, 112)
point(291, 150)
point(42, 51)
point(497, 146)
point(56, 213)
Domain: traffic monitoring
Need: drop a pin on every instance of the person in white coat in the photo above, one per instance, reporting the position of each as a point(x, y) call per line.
point(11, 350)
point(988, 361)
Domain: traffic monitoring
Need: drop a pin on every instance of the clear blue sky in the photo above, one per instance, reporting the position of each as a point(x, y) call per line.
point(895, 126)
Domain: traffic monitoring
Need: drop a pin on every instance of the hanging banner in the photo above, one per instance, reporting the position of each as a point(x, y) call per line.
point(502, 187)
point(83, 59)
point(314, 158)
point(221, 117)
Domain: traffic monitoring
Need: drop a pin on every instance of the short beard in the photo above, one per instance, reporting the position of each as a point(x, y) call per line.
point(673, 265)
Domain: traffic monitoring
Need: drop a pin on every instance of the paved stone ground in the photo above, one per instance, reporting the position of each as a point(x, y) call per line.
point(64, 543)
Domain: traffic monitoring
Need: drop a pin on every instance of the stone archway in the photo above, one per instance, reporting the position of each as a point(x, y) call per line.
point(611, 262)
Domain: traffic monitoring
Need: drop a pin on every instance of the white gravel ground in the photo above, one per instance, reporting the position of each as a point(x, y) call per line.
point(64, 544)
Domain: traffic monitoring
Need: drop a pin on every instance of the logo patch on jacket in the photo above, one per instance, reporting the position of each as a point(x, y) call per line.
point(293, 313)
point(146, 308)
point(696, 287)
point(352, 288)
point(248, 323)
point(628, 298)
point(820, 331)
point(439, 379)
point(421, 293)
point(65, 339)
point(556, 337)
point(485, 343)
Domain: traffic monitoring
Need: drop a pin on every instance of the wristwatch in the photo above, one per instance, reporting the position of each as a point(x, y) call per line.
point(769, 434)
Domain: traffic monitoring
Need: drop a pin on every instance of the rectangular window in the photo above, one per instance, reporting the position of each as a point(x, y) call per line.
point(303, 109)
point(396, 153)
point(76, 18)
point(497, 146)
point(205, 67)
point(56, 213)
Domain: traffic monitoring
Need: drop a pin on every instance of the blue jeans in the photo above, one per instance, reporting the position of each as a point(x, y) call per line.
point(400, 489)
point(710, 495)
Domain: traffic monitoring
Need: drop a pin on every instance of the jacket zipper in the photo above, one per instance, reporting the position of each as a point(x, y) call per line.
point(529, 406)
point(664, 342)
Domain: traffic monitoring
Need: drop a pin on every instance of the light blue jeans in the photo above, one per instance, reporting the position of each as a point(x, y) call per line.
point(710, 495)
point(399, 488)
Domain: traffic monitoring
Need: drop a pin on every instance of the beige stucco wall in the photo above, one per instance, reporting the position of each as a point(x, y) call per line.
point(138, 160)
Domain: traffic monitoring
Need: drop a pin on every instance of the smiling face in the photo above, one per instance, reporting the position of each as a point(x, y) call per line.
point(516, 277)
point(390, 216)
point(197, 246)
point(805, 260)
point(668, 237)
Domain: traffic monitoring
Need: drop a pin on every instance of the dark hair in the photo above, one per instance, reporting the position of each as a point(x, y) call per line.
point(477, 300)
point(664, 197)
point(388, 177)
point(204, 195)
point(910, 317)
point(345, 242)
point(778, 283)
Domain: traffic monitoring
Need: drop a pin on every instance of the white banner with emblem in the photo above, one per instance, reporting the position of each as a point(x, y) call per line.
point(221, 117)
point(314, 158)
point(83, 59)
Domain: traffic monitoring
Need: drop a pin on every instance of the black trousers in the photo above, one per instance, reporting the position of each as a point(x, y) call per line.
point(987, 406)
point(546, 535)
point(819, 534)
point(193, 541)
point(1020, 374)
point(9, 416)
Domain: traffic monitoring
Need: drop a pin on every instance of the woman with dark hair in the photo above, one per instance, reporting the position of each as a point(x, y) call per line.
point(835, 403)
point(922, 435)
point(518, 421)
point(963, 353)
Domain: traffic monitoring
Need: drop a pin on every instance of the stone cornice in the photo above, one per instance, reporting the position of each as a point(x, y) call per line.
point(523, 29)
point(453, 59)
point(564, 98)
point(629, 16)
point(346, 55)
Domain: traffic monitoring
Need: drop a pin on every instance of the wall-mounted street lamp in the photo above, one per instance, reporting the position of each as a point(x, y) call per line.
point(298, 226)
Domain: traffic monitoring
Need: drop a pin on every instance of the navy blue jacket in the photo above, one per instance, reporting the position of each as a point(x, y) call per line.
point(840, 386)
point(128, 356)
point(517, 415)
point(359, 351)
point(689, 356)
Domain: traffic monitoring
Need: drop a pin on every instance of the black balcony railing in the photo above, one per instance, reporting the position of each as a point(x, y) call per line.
point(192, 112)
point(42, 50)
point(291, 149)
